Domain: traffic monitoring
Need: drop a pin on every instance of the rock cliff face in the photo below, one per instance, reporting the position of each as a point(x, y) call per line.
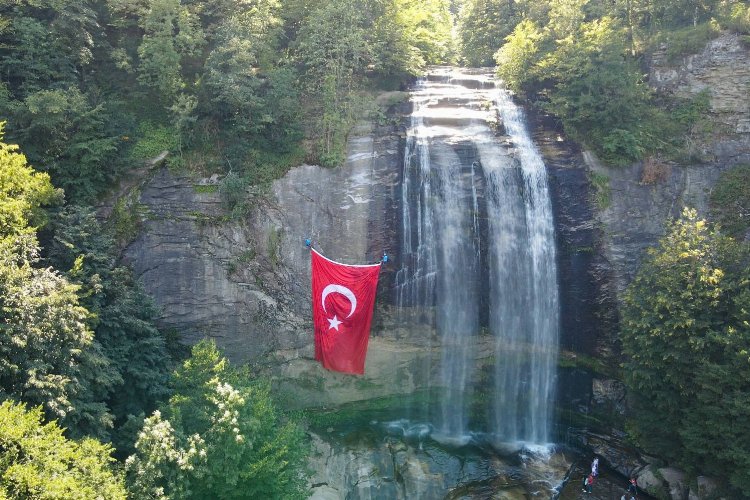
point(641, 198)
point(635, 204)
point(246, 283)
point(723, 70)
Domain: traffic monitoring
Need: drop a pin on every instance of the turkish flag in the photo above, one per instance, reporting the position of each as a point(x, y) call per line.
point(343, 298)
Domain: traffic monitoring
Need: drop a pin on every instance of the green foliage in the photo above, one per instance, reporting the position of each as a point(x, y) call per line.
point(602, 191)
point(518, 56)
point(427, 26)
point(220, 436)
point(22, 193)
point(121, 315)
point(48, 355)
point(483, 26)
point(588, 67)
point(70, 137)
point(152, 140)
point(38, 462)
point(734, 16)
point(730, 201)
point(256, 99)
point(579, 60)
point(126, 218)
point(171, 33)
point(685, 335)
point(217, 82)
point(688, 40)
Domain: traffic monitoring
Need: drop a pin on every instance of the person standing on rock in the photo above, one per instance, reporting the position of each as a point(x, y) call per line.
point(633, 488)
point(589, 483)
point(595, 467)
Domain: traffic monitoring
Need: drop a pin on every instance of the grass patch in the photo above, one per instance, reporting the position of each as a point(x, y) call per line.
point(261, 168)
point(689, 40)
point(274, 243)
point(206, 188)
point(730, 201)
point(153, 139)
point(127, 215)
point(602, 190)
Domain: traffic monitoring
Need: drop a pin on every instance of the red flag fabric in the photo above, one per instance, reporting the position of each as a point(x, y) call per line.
point(343, 297)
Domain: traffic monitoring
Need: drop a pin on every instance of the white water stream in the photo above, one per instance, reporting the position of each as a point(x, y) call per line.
point(478, 258)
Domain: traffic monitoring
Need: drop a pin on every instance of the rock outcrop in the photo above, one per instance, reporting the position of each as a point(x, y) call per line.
point(246, 282)
point(394, 468)
point(641, 198)
point(723, 70)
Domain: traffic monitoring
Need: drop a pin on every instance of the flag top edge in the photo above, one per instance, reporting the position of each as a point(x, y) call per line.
point(342, 264)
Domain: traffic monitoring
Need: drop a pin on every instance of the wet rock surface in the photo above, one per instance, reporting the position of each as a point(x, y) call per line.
point(372, 464)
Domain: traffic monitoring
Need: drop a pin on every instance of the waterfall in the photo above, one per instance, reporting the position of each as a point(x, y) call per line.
point(478, 256)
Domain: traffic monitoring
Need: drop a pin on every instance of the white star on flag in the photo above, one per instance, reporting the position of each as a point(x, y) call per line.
point(334, 323)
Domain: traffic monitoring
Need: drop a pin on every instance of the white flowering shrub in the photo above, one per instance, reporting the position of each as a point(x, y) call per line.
point(220, 436)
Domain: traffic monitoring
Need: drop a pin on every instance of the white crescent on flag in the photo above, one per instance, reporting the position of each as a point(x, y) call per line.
point(343, 291)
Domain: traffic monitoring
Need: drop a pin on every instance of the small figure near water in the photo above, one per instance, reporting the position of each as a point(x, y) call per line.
point(595, 467)
point(588, 482)
point(633, 488)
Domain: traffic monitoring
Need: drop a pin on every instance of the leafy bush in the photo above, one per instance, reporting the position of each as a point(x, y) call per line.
point(602, 190)
point(220, 436)
point(685, 336)
point(37, 461)
point(152, 140)
point(730, 201)
point(688, 40)
point(735, 17)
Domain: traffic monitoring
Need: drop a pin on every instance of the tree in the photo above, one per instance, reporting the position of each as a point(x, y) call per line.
point(120, 314)
point(48, 355)
point(483, 27)
point(248, 86)
point(22, 193)
point(428, 25)
point(599, 93)
point(69, 137)
point(171, 34)
point(685, 336)
point(520, 54)
point(220, 436)
point(38, 462)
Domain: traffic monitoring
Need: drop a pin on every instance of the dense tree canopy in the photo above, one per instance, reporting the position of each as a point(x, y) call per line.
point(220, 436)
point(23, 192)
point(37, 461)
point(583, 61)
point(685, 332)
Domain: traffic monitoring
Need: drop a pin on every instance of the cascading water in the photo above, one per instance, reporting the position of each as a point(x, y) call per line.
point(478, 256)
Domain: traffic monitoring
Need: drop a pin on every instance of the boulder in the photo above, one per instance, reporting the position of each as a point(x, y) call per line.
point(705, 489)
point(325, 492)
point(649, 481)
point(676, 482)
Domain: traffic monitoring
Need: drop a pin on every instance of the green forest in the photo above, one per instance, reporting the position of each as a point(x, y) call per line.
point(99, 402)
